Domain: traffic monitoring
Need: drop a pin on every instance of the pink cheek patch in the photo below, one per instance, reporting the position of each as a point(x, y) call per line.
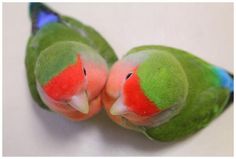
point(96, 78)
point(135, 98)
point(66, 84)
point(116, 77)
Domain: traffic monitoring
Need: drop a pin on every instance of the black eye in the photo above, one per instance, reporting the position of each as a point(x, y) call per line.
point(85, 73)
point(128, 76)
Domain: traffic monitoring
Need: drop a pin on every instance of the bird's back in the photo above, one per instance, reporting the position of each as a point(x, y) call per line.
point(207, 97)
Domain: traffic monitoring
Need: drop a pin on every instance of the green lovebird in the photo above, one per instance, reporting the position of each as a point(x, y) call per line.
point(166, 93)
point(67, 63)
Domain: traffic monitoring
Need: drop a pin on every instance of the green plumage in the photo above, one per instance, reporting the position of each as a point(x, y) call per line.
point(66, 29)
point(163, 77)
point(205, 99)
point(62, 53)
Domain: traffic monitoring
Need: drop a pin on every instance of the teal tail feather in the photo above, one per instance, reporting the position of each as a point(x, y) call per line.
point(226, 81)
point(231, 98)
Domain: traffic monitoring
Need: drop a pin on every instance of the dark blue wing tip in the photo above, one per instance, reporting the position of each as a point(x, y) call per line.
point(35, 6)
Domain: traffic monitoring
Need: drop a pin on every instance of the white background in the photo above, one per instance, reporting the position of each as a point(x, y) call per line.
point(206, 30)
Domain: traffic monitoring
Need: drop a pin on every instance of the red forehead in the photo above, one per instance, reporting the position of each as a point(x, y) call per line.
point(66, 83)
point(135, 98)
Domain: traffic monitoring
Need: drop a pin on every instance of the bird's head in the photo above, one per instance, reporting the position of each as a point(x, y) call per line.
point(146, 86)
point(66, 75)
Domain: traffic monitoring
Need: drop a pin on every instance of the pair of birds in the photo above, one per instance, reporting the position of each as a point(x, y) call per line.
point(162, 92)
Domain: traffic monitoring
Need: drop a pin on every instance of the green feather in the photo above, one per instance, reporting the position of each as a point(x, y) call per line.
point(31, 57)
point(67, 30)
point(62, 54)
point(92, 38)
point(157, 81)
point(206, 99)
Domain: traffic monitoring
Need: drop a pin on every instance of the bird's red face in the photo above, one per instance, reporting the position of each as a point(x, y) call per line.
point(124, 96)
point(70, 77)
point(67, 83)
point(134, 97)
point(68, 88)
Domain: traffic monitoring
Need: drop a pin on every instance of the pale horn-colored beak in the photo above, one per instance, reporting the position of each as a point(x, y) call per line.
point(118, 108)
point(80, 102)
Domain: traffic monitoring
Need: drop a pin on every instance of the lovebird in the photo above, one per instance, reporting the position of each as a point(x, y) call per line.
point(67, 63)
point(166, 93)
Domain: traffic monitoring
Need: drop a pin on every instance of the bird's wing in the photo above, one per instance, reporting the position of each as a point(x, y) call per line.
point(92, 38)
point(194, 116)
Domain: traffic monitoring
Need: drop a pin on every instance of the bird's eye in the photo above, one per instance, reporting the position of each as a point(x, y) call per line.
point(128, 75)
point(85, 73)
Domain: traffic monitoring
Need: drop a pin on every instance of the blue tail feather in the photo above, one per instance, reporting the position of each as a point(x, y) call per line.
point(226, 78)
point(41, 15)
point(227, 81)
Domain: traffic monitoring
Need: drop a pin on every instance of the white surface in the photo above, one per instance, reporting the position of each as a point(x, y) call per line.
point(204, 29)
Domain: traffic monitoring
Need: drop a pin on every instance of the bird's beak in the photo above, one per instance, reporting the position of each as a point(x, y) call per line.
point(80, 102)
point(119, 108)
